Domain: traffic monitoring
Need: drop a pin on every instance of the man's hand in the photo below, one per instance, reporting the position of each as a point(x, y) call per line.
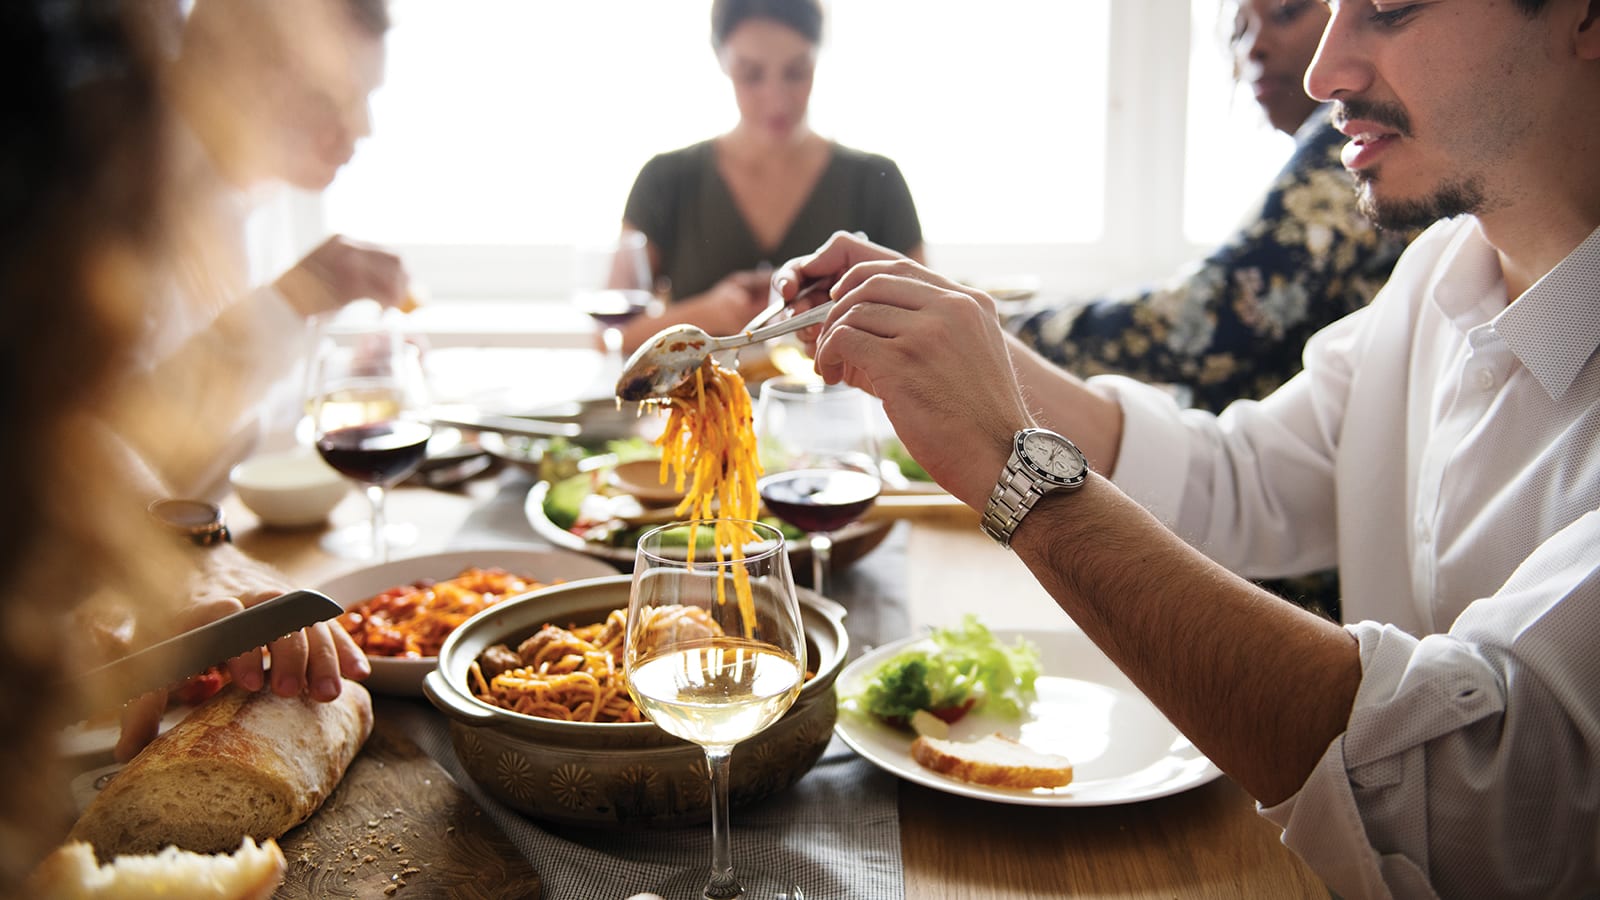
point(312, 659)
point(341, 270)
point(930, 348)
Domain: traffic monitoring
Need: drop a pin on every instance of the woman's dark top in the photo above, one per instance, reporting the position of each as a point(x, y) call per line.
point(684, 207)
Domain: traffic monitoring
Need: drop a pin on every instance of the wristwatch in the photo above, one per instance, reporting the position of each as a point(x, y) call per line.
point(198, 520)
point(1041, 461)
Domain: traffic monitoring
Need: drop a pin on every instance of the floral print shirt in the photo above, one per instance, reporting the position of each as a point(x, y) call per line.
point(1234, 326)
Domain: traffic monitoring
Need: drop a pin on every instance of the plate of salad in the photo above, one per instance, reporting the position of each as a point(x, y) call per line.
point(1050, 690)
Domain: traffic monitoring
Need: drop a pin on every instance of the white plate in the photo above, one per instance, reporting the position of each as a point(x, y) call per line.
point(404, 676)
point(1122, 749)
point(97, 739)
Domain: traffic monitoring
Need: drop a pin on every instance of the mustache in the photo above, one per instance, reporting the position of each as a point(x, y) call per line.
point(1390, 115)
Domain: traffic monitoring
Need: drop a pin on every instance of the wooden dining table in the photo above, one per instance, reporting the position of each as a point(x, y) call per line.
point(1207, 841)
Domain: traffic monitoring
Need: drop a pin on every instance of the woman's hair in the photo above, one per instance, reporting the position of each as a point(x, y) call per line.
point(804, 16)
point(82, 199)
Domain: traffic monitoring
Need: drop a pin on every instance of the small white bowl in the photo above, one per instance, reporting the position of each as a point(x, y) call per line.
point(290, 489)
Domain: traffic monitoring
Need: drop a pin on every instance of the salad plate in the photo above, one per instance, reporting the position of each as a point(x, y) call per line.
point(1123, 750)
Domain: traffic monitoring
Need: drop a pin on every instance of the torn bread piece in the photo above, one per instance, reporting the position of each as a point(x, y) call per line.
point(252, 872)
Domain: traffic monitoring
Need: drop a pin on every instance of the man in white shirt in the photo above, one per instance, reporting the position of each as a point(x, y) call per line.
point(1442, 446)
point(269, 92)
point(267, 95)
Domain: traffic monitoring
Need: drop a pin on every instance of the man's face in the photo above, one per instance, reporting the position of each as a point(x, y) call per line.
point(1443, 101)
point(322, 110)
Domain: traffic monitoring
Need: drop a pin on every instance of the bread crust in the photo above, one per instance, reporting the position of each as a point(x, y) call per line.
point(241, 765)
point(994, 760)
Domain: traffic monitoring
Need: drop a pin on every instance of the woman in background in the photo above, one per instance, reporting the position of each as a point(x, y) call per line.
point(718, 213)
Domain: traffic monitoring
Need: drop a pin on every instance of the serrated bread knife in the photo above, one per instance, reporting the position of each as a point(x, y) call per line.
point(169, 662)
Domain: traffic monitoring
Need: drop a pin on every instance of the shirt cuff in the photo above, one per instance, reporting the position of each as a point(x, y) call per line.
point(1153, 457)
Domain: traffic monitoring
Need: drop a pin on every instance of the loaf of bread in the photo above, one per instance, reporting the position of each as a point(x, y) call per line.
point(993, 760)
point(241, 765)
point(252, 872)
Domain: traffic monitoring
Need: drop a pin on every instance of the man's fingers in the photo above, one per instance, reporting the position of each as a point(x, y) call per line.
point(322, 661)
point(247, 670)
point(289, 656)
point(353, 661)
point(205, 612)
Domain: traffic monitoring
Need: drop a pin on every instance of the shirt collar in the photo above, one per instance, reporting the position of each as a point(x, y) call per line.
point(1554, 328)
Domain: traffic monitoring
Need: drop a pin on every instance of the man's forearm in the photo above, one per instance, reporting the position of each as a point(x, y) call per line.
point(1260, 685)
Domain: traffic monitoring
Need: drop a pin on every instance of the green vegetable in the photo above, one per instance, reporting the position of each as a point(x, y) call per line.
point(967, 665)
point(895, 452)
point(564, 498)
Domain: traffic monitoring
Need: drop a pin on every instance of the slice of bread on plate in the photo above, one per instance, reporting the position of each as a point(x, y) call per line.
point(994, 760)
point(252, 872)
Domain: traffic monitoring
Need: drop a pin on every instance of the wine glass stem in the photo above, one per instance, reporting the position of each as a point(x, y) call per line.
point(380, 544)
point(821, 553)
point(722, 883)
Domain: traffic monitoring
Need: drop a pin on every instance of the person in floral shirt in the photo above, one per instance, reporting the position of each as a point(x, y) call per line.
point(1233, 325)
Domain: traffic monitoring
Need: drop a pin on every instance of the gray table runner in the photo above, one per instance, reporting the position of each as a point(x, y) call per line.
point(837, 831)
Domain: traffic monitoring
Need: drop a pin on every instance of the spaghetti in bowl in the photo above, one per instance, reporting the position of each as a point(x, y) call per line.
point(619, 774)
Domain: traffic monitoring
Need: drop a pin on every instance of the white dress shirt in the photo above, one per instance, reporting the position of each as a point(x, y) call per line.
point(214, 347)
point(1443, 449)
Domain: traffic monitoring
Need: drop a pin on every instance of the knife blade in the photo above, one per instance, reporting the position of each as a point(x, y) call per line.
point(513, 425)
point(169, 662)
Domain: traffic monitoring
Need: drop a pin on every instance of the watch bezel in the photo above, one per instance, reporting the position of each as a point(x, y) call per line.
point(1022, 452)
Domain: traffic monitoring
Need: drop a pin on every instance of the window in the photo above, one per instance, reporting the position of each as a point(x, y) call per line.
point(1076, 140)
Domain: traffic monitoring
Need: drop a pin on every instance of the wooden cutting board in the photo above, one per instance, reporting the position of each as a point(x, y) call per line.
point(398, 826)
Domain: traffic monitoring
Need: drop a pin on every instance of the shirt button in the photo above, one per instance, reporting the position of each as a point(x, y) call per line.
point(1485, 379)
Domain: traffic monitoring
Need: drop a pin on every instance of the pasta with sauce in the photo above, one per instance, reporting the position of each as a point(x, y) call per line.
point(574, 674)
point(708, 449)
point(412, 620)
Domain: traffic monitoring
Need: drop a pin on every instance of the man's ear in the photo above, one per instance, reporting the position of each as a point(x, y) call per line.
point(1586, 37)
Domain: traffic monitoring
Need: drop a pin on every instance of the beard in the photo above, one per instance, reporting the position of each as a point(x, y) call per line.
point(1451, 199)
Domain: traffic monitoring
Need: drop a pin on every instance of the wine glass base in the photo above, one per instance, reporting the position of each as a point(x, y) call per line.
point(690, 884)
point(355, 541)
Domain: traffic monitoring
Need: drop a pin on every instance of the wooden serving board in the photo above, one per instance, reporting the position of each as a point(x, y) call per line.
point(398, 826)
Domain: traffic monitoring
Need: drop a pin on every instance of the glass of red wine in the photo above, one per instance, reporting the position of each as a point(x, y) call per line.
point(612, 283)
point(819, 453)
point(365, 385)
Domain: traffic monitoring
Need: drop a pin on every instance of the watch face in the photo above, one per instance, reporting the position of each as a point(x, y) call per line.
point(187, 515)
point(1054, 455)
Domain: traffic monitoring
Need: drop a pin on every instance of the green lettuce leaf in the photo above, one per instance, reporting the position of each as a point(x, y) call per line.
point(967, 669)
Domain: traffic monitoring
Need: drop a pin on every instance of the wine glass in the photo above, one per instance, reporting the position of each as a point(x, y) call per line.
point(819, 450)
point(365, 383)
point(715, 653)
point(611, 282)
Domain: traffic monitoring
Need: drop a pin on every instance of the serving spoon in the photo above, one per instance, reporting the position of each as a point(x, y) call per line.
point(667, 361)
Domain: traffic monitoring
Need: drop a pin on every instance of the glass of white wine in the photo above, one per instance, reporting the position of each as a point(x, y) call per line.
point(715, 653)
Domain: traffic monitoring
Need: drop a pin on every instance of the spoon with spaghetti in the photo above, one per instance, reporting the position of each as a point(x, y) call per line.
point(667, 361)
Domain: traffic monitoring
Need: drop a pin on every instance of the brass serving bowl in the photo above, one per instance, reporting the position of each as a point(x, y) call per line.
point(611, 774)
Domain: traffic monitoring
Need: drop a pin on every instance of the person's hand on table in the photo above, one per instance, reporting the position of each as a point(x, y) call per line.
point(932, 349)
point(312, 659)
point(340, 270)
